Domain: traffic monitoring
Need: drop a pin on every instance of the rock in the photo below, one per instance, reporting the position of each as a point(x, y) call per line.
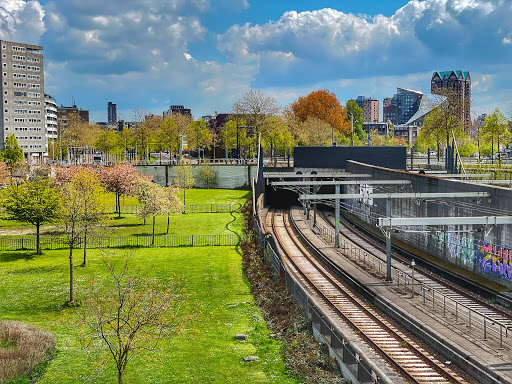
point(273, 335)
point(240, 336)
point(248, 359)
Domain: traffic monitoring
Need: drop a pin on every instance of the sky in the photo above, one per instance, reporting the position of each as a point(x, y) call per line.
point(205, 54)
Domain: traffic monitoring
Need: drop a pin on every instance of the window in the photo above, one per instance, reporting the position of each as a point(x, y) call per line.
point(5, 83)
point(5, 74)
point(3, 46)
point(4, 56)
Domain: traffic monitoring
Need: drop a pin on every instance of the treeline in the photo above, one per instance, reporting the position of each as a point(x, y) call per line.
point(314, 119)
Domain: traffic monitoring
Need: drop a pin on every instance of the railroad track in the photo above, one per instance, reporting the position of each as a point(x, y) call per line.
point(487, 316)
point(413, 362)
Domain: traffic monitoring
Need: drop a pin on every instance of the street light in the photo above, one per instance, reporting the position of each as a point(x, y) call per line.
point(237, 138)
point(351, 130)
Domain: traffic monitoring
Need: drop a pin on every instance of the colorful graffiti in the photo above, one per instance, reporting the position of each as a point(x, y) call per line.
point(480, 255)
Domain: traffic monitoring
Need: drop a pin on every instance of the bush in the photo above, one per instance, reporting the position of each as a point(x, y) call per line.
point(22, 349)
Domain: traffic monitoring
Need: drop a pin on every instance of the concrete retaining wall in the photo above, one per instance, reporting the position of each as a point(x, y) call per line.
point(488, 256)
point(228, 176)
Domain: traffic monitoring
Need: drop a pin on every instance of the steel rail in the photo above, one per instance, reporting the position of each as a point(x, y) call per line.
point(416, 365)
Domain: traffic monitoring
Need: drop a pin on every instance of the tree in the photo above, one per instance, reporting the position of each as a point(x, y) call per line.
point(313, 131)
point(275, 134)
point(82, 207)
point(324, 105)
point(256, 107)
point(34, 202)
point(132, 316)
point(184, 178)
point(5, 174)
point(199, 136)
point(446, 116)
point(153, 201)
point(109, 142)
point(120, 180)
point(228, 135)
point(173, 203)
point(495, 128)
point(354, 110)
point(12, 154)
point(94, 204)
point(207, 175)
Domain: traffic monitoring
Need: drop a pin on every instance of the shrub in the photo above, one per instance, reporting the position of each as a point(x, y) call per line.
point(22, 348)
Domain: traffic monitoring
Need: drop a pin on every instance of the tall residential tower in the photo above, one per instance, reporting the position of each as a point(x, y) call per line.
point(460, 82)
point(23, 103)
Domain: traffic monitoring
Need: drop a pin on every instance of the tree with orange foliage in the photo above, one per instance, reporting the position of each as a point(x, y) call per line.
point(324, 105)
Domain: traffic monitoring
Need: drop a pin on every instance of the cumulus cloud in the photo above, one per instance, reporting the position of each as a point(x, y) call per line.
point(21, 21)
point(328, 44)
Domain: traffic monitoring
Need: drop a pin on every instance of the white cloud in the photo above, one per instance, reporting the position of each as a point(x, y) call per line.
point(21, 21)
point(329, 44)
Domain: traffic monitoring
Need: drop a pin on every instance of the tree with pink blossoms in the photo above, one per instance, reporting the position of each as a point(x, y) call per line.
point(120, 179)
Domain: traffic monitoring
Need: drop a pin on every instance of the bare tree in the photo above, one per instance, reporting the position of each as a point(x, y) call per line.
point(133, 316)
point(256, 107)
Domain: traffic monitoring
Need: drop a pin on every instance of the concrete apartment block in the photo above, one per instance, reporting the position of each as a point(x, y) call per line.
point(23, 102)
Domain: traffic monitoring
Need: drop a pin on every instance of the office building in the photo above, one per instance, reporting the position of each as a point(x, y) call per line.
point(112, 112)
point(177, 109)
point(390, 109)
point(407, 103)
point(460, 82)
point(23, 101)
point(63, 114)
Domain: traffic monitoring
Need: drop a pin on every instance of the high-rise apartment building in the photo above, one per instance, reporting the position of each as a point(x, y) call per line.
point(23, 102)
point(390, 109)
point(112, 112)
point(50, 117)
point(370, 107)
point(460, 82)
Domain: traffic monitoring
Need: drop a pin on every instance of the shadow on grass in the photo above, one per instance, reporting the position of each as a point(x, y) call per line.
point(126, 225)
point(17, 255)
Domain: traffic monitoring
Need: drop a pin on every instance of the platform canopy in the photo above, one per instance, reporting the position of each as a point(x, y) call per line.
point(393, 195)
point(433, 221)
point(339, 182)
point(322, 175)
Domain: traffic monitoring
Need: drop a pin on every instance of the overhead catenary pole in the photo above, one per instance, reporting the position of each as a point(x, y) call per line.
point(389, 279)
point(337, 216)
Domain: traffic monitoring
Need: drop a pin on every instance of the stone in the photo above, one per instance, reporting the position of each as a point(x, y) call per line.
point(248, 359)
point(240, 336)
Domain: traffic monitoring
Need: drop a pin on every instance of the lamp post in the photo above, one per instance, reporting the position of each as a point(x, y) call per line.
point(351, 130)
point(237, 139)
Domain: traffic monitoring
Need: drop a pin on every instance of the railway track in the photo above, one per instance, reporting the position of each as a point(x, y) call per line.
point(414, 363)
point(490, 319)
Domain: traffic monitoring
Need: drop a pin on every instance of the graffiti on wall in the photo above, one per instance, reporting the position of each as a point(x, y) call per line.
point(495, 259)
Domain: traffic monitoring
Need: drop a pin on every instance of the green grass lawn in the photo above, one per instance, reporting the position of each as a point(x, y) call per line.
point(34, 290)
point(129, 224)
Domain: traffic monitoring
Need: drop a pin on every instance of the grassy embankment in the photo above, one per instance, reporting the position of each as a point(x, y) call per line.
point(34, 290)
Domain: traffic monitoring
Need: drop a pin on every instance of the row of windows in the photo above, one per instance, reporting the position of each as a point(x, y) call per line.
point(19, 58)
point(33, 77)
point(18, 75)
point(31, 146)
point(21, 66)
point(17, 49)
point(33, 60)
point(25, 94)
point(28, 129)
point(28, 138)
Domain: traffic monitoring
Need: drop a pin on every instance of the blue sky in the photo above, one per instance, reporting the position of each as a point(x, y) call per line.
point(204, 54)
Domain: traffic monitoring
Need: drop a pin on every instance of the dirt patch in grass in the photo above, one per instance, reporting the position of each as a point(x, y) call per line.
point(304, 357)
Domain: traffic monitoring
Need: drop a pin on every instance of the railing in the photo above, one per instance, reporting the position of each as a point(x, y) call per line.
point(435, 297)
point(164, 241)
point(188, 208)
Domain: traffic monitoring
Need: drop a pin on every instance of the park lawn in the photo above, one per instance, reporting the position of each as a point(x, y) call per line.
point(35, 288)
point(129, 224)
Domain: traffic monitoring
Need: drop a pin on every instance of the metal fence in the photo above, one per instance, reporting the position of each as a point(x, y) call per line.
point(188, 208)
point(432, 297)
point(163, 241)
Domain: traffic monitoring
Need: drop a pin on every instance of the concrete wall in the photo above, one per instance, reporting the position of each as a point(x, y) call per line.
point(228, 176)
point(488, 256)
point(337, 157)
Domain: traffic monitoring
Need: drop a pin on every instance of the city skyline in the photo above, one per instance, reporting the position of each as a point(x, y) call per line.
point(205, 54)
